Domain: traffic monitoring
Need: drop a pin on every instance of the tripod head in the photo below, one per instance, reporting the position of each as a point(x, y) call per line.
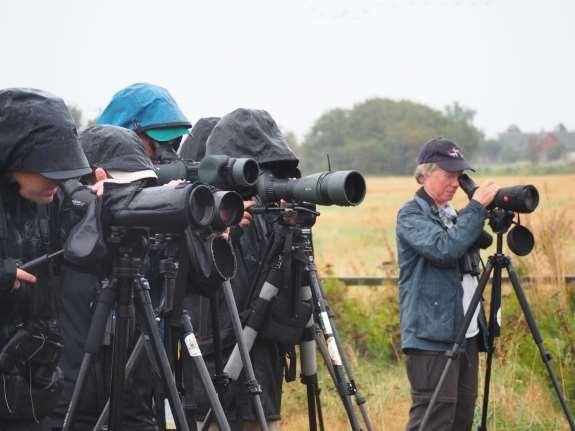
point(500, 220)
point(301, 214)
point(129, 247)
point(520, 240)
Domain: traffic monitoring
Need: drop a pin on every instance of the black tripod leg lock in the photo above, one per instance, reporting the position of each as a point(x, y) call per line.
point(259, 314)
point(453, 353)
point(352, 388)
point(253, 387)
point(222, 380)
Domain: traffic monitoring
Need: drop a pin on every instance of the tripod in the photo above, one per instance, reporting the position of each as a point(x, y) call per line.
point(342, 373)
point(269, 277)
point(500, 221)
point(178, 327)
point(129, 249)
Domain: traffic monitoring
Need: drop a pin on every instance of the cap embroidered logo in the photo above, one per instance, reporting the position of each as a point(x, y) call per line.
point(454, 152)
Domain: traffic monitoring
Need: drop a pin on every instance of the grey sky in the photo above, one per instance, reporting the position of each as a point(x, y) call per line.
point(511, 60)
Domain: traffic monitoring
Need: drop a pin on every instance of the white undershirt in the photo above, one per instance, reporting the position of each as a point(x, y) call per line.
point(469, 282)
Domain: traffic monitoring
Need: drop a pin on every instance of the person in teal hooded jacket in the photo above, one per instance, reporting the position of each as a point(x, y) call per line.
point(151, 112)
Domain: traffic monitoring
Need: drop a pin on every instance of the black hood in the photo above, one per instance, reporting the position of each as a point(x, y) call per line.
point(250, 133)
point(115, 148)
point(38, 134)
point(194, 145)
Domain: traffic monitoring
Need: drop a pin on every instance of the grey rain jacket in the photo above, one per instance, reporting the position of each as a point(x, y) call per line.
point(241, 133)
point(430, 291)
point(24, 235)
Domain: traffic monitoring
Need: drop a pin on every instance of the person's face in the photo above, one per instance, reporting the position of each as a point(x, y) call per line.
point(441, 185)
point(160, 152)
point(147, 145)
point(35, 187)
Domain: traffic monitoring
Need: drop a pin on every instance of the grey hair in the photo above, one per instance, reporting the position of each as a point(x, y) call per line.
point(424, 169)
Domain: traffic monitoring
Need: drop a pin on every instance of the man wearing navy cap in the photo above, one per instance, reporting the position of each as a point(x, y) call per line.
point(153, 114)
point(435, 290)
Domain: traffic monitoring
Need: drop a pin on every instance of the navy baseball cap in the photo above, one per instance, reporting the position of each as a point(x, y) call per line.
point(445, 154)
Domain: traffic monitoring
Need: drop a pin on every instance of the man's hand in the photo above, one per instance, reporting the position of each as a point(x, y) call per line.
point(174, 183)
point(485, 193)
point(100, 176)
point(225, 234)
point(247, 217)
point(23, 276)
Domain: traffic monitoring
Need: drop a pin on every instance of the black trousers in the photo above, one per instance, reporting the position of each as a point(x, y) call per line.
point(456, 401)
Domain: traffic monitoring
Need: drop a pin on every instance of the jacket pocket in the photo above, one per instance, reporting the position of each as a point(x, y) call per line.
point(436, 313)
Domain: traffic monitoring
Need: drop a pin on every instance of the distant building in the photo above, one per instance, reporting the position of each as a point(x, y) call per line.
point(544, 144)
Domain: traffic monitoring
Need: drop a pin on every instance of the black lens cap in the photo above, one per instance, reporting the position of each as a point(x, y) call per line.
point(520, 240)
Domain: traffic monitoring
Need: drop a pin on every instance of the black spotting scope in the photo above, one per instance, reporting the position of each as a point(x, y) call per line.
point(342, 188)
point(520, 199)
point(163, 209)
point(227, 173)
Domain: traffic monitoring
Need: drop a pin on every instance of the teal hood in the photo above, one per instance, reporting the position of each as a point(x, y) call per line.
point(141, 107)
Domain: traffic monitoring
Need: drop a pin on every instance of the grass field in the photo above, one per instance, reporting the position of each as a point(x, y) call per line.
point(360, 241)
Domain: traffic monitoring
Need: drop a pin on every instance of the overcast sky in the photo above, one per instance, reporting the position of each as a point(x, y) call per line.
point(512, 61)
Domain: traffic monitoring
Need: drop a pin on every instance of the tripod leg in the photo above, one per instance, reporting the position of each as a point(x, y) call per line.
point(359, 399)
point(235, 364)
point(145, 308)
point(253, 387)
point(309, 365)
point(452, 354)
point(335, 357)
point(214, 307)
point(196, 355)
point(134, 356)
point(119, 354)
point(93, 341)
point(545, 356)
point(323, 351)
point(220, 376)
point(493, 332)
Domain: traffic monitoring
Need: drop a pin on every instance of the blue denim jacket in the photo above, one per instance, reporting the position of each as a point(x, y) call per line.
point(430, 291)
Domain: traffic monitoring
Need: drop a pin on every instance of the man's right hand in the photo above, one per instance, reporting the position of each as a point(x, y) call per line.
point(485, 193)
point(23, 276)
point(247, 216)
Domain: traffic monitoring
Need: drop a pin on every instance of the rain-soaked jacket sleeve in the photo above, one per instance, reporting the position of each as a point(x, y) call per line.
point(435, 243)
point(7, 275)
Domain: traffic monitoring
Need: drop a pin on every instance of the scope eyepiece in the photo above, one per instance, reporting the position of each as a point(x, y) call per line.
point(227, 173)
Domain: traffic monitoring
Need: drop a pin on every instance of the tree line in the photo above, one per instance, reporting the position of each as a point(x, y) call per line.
point(383, 136)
